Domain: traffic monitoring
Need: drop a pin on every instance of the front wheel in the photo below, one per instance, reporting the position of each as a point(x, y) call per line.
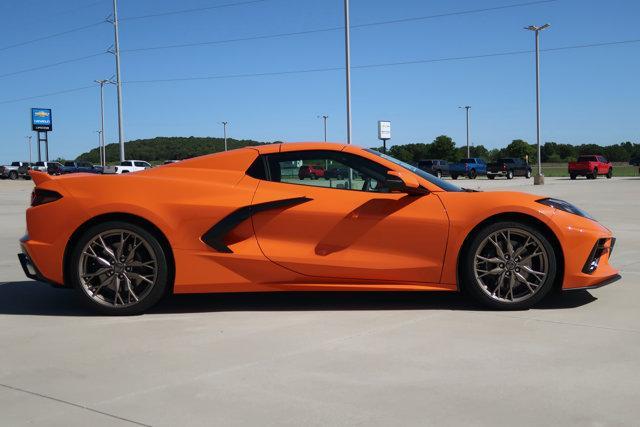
point(510, 175)
point(509, 266)
point(527, 174)
point(572, 176)
point(119, 268)
point(13, 175)
point(610, 173)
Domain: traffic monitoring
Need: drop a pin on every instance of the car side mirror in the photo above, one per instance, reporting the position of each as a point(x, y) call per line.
point(398, 182)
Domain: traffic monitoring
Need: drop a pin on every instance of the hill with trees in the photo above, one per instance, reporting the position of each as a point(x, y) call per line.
point(167, 148)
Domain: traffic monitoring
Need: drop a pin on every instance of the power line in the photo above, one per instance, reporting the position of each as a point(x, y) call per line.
point(337, 28)
point(50, 36)
point(41, 67)
point(340, 68)
point(9, 101)
point(197, 9)
point(386, 64)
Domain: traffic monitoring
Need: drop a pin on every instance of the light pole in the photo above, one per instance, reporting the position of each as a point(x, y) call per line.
point(116, 52)
point(539, 178)
point(224, 126)
point(467, 107)
point(347, 50)
point(101, 146)
point(103, 154)
point(29, 142)
point(324, 118)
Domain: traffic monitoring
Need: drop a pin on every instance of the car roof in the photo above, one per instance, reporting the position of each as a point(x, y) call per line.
point(296, 146)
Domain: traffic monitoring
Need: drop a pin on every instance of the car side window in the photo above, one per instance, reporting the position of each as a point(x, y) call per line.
point(329, 169)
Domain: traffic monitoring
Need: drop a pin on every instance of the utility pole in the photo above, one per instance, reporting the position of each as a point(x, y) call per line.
point(467, 107)
point(103, 154)
point(347, 49)
point(224, 126)
point(29, 142)
point(324, 118)
point(538, 179)
point(101, 146)
point(116, 52)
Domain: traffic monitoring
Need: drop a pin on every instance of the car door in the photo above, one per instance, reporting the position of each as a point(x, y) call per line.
point(348, 229)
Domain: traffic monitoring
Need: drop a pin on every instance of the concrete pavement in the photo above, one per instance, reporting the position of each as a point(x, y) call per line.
point(335, 358)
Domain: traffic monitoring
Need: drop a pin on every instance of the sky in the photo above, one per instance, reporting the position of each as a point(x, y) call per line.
point(588, 95)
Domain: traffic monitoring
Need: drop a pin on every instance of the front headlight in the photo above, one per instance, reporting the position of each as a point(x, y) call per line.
point(564, 206)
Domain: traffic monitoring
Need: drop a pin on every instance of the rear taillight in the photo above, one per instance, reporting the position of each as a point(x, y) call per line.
point(41, 197)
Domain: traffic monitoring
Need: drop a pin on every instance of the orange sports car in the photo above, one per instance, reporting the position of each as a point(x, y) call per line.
point(244, 221)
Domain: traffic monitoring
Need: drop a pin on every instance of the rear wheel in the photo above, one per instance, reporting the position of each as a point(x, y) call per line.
point(509, 174)
point(572, 176)
point(509, 266)
point(13, 175)
point(439, 174)
point(119, 268)
point(610, 173)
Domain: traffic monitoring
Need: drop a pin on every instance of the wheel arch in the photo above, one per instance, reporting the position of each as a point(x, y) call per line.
point(516, 217)
point(126, 217)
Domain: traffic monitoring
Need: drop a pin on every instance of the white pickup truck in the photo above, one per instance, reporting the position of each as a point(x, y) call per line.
point(132, 166)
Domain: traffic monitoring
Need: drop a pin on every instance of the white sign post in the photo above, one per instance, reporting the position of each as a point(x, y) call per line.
point(384, 133)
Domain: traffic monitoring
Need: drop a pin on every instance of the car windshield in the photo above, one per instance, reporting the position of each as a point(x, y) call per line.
point(39, 163)
point(432, 179)
point(70, 164)
point(15, 164)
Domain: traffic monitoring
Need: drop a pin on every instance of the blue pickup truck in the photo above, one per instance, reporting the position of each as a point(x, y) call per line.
point(470, 168)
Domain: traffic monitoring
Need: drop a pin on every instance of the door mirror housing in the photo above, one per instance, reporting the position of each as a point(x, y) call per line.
point(398, 182)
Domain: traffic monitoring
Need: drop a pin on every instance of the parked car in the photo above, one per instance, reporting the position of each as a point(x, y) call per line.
point(311, 171)
point(470, 168)
point(132, 166)
point(336, 173)
point(77, 167)
point(509, 167)
point(54, 168)
point(168, 162)
point(15, 170)
point(43, 166)
point(590, 166)
point(635, 161)
point(435, 167)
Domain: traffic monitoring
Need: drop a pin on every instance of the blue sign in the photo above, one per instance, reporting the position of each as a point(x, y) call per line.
point(41, 119)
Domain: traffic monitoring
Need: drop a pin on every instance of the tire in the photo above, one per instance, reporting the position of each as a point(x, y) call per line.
point(472, 174)
point(594, 174)
point(572, 176)
point(454, 176)
point(313, 176)
point(13, 175)
point(491, 176)
point(527, 174)
point(509, 174)
point(610, 173)
point(479, 285)
point(438, 174)
point(131, 272)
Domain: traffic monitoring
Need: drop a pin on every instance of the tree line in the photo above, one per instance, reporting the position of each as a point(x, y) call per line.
point(442, 147)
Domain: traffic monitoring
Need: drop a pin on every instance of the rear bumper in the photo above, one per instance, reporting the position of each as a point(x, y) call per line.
point(580, 172)
point(30, 267)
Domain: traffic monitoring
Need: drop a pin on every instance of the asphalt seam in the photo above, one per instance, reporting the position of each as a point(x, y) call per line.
point(77, 405)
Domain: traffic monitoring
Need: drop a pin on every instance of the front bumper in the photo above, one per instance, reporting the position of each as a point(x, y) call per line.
point(604, 282)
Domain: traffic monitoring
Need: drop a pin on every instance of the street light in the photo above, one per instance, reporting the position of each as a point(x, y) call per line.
point(467, 107)
point(29, 142)
point(324, 118)
point(103, 154)
point(539, 178)
point(224, 125)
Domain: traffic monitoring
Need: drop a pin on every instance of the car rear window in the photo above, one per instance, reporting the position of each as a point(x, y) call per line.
point(587, 158)
point(71, 164)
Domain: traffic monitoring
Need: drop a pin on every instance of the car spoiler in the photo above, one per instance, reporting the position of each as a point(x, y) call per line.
point(40, 177)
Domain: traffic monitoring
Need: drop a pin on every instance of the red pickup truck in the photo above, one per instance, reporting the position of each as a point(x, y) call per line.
point(590, 166)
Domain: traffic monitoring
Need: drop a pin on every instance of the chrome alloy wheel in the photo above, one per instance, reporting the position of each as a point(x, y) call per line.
point(511, 265)
point(117, 268)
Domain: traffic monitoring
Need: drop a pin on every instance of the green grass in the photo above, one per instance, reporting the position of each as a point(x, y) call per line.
point(560, 169)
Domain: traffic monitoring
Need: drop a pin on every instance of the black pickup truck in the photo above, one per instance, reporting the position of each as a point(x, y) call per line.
point(509, 167)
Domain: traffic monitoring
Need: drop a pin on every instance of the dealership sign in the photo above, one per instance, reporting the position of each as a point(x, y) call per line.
point(41, 119)
point(384, 130)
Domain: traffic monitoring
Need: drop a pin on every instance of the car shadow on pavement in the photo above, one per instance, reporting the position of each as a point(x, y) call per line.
point(38, 299)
